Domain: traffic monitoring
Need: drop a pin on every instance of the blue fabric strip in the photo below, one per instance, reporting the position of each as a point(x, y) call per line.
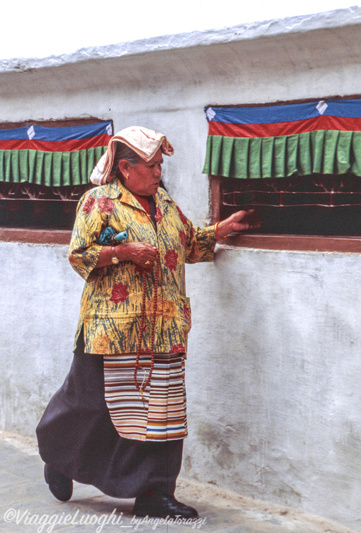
point(64, 133)
point(284, 113)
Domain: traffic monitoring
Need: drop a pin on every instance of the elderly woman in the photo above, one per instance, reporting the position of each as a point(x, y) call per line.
point(119, 420)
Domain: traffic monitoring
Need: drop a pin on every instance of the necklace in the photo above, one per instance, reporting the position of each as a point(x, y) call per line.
point(141, 388)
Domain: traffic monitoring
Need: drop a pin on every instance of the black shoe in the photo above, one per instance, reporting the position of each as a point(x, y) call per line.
point(162, 505)
point(60, 486)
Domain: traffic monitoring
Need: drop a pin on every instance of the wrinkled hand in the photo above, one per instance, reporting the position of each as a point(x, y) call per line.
point(239, 221)
point(143, 254)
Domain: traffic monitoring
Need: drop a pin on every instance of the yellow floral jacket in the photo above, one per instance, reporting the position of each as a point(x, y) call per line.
point(111, 305)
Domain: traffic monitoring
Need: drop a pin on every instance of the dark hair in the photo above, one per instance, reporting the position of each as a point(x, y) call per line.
point(124, 152)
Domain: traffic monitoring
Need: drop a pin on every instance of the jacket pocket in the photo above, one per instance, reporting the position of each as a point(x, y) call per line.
point(117, 333)
point(111, 333)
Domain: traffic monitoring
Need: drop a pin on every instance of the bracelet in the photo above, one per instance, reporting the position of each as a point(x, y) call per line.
point(217, 234)
point(115, 260)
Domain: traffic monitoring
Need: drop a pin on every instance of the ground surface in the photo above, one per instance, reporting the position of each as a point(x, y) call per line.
point(27, 506)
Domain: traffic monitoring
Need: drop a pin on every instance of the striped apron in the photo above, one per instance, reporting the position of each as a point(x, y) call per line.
point(157, 414)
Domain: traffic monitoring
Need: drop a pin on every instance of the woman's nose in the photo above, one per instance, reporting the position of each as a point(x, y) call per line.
point(157, 171)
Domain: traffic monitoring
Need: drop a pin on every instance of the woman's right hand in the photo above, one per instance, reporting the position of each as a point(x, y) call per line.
point(142, 254)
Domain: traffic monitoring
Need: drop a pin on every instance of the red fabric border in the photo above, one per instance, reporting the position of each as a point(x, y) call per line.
point(323, 122)
point(56, 146)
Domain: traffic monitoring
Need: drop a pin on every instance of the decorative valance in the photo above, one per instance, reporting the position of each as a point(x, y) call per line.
point(279, 141)
point(52, 156)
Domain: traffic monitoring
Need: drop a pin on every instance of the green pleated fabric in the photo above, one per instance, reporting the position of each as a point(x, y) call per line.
point(315, 152)
point(52, 169)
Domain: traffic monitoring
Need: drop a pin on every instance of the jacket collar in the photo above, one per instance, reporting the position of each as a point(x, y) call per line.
point(115, 189)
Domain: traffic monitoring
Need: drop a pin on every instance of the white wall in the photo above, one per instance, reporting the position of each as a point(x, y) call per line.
point(39, 300)
point(273, 368)
point(273, 374)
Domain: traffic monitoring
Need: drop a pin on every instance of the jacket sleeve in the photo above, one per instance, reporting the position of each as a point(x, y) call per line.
point(200, 242)
point(84, 251)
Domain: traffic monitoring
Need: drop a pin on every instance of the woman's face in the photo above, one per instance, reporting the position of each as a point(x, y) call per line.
point(143, 178)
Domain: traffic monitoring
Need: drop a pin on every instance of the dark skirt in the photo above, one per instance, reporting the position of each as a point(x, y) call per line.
point(77, 438)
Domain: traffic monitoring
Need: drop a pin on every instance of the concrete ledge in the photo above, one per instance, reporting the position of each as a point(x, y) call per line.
point(35, 236)
point(310, 243)
point(300, 24)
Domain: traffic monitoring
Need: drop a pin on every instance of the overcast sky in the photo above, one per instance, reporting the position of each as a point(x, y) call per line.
point(40, 28)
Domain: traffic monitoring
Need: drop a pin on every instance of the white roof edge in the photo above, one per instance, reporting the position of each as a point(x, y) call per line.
point(247, 31)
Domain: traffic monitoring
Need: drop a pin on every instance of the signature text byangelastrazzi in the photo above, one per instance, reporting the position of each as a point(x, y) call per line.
point(45, 523)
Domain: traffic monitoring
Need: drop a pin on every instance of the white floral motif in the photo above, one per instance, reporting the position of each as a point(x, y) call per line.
point(31, 132)
point(210, 113)
point(321, 107)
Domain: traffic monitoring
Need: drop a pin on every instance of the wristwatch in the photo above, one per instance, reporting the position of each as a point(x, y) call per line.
point(115, 260)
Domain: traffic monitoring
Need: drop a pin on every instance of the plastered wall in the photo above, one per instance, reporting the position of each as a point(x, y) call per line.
point(273, 371)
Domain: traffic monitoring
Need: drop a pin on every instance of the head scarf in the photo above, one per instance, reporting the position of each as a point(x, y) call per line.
point(143, 141)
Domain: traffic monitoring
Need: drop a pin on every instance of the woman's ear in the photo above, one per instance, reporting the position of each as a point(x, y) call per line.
point(123, 166)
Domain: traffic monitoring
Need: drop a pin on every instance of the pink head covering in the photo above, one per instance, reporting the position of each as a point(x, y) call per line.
point(143, 141)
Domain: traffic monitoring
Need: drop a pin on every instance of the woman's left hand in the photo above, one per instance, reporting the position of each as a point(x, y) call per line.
point(239, 221)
